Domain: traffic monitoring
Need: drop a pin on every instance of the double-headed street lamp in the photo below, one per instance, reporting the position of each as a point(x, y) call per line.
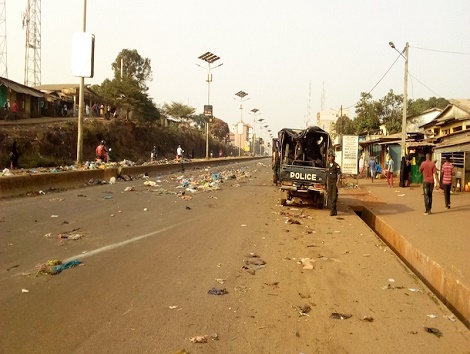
point(209, 58)
point(241, 95)
point(255, 113)
point(405, 99)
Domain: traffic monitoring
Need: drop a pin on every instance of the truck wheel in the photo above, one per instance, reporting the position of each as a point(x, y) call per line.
point(321, 201)
point(284, 195)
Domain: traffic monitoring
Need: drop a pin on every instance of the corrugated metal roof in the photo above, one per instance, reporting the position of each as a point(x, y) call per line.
point(17, 87)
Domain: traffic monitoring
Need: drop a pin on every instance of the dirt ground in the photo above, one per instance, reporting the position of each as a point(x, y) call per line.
point(297, 280)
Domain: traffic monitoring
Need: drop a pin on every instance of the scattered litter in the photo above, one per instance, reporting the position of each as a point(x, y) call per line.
point(129, 189)
point(368, 319)
point(450, 318)
point(108, 197)
point(391, 280)
point(24, 290)
point(253, 263)
point(215, 291)
point(303, 310)
point(42, 192)
point(292, 221)
point(112, 180)
point(415, 290)
point(172, 307)
point(389, 286)
point(431, 315)
point(13, 267)
point(434, 331)
point(307, 263)
point(400, 195)
point(188, 207)
point(273, 284)
point(204, 338)
point(145, 209)
point(55, 266)
point(150, 183)
point(54, 216)
point(56, 199)
point(243, 225)
point(48, 235)
point(81, 195)
point(220, 280)
point(340, 316)
point(366, 255)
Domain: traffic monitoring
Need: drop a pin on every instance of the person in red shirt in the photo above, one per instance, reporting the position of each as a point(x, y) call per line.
point(14, 109)
point(447, 171)
point(101, 152)
point(429, 170)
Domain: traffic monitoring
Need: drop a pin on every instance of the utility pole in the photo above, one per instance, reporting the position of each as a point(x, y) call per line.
point(405, 106)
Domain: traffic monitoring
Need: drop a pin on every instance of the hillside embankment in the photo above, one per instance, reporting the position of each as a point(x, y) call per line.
point(48, 143)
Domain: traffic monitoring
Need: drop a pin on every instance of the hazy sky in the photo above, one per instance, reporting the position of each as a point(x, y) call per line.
point(271, 49)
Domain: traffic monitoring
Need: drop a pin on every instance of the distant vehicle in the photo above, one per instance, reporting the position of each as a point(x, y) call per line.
point(303, 161)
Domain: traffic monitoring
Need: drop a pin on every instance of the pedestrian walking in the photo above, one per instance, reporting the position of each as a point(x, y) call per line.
point(179, 156)
point(14, 156)
point(372, 167)
point(153, 154)
point(391, 164)
point(429, 171)
point(447, 171)
point(332, 182)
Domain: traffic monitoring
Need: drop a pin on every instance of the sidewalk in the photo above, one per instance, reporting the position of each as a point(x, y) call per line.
point(443, 235)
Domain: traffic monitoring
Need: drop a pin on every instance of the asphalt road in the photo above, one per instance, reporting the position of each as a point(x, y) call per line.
point(150, 256)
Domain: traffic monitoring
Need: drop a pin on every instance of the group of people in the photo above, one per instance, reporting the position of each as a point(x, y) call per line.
point(429, 170)
point(430, 177)
point(13, 115)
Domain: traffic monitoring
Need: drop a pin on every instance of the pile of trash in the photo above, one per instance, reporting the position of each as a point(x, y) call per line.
point(55, 266)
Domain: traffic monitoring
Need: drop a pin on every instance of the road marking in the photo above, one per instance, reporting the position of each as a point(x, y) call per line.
point(123, 243)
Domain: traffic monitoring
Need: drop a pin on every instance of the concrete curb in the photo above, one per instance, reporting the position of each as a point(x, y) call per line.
point(453, 293)
point(15, 186)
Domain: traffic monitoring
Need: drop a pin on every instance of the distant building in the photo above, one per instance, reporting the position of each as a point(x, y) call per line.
point(326, 119)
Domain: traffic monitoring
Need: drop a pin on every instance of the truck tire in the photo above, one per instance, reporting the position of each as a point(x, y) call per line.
point(321, 201)
point(284, 195)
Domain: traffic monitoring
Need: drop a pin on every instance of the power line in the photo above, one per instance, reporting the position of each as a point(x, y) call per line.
point(391, 66)
point(441, 51)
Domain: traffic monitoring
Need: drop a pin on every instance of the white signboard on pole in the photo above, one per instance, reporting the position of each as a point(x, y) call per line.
point(350, 151)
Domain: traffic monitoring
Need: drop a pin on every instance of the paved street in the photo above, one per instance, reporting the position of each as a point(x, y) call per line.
point(151, 255)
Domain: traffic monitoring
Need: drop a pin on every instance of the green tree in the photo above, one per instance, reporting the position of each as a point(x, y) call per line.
point(391, 112)
point(179, 110)
point(367, 117)
point(420, 105)
point(219, 129)
point(344, 126)
point(134, 67)
point(130, 92)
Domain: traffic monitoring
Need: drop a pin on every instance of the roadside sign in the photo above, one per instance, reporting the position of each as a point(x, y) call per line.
point(350, 154)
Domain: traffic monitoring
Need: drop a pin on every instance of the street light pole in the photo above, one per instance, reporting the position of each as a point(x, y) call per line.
point(254, 110)
point(81, 99)
point(260, 133)
point(242, 95)
point(209, 58)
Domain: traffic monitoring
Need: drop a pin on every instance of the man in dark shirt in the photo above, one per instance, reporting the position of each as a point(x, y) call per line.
point(333, 181)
